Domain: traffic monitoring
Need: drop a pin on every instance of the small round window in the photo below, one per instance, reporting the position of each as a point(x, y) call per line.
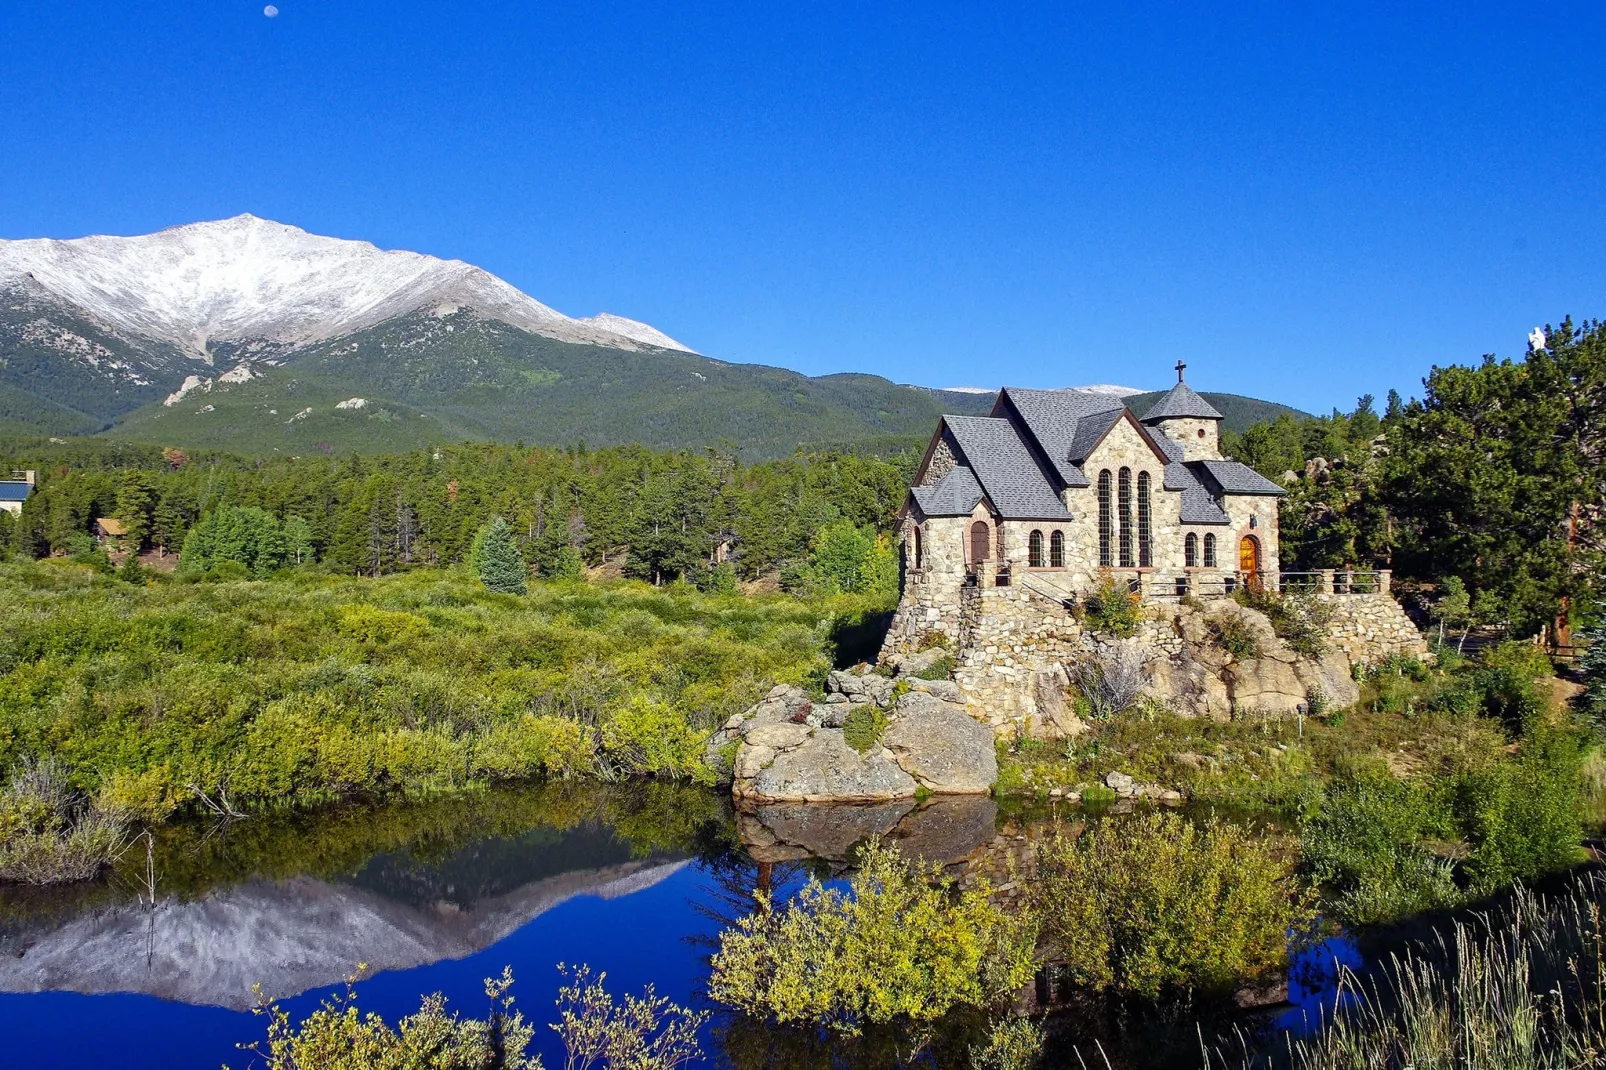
point(1201, 432)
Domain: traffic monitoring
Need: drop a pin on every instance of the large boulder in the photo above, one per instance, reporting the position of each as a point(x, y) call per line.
point(1265, 685)
point(918, 662)
point(942, 746)
point(822, 768)
point(862, 687)
point(1332, 675)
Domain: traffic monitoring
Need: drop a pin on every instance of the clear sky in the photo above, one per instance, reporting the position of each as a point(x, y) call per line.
point(1303, 201)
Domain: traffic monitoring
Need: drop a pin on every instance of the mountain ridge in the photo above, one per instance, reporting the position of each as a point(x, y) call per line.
point(248, 335)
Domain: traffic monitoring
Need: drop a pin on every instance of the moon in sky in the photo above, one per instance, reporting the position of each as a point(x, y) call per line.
point(271, 12)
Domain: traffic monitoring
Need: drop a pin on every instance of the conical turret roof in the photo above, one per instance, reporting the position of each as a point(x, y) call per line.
point(1181, 402)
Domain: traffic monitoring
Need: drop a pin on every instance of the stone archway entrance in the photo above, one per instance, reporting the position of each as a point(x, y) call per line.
point(1249, 558)
point(981, 541)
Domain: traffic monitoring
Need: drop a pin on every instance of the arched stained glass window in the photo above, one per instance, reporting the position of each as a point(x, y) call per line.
point(1056, 549)
point(1190, 550)
point(1145, 542)
point(1124, 490)
point(1106, 559)
point(1034, 549)
point(1210, 551)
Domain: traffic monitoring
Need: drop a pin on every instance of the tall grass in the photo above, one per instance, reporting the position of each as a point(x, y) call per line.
point(1522, 987)
point(307, 687)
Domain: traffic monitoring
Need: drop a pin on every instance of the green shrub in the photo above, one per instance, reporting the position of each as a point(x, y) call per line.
point(906, 944)
point(1299, 619)
point(1098, 795)
point(1111, 608)
point(1387, 848)
point(1235, 637)
point(1157, 902)
point(50, 834)
point(646, 1032)
point(863, 727)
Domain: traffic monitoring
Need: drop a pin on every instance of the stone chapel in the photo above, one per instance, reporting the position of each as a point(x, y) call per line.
point(1057, 488)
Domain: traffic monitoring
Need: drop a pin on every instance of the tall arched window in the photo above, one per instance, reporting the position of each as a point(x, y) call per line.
point(1034, 549)
point(1190, 550)
point(920, 549)
point(1105, 558)
point(1210, 551)
point(1124, 490)
point(1145, 547)
point(1056, 549)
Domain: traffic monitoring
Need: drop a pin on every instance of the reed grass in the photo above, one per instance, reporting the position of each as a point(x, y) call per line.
point(1520, 987)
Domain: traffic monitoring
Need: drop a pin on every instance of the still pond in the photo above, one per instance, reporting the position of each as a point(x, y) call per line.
point(156, 966)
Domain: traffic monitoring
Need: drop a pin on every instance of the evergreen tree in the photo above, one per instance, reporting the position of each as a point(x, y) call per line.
point(495, 558)
point(136, 499)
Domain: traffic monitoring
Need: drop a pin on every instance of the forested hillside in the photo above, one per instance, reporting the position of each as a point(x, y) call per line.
point(421, 379)
point(657, 515)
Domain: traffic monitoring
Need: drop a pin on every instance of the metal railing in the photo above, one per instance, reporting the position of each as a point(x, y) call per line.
point(1173, 586)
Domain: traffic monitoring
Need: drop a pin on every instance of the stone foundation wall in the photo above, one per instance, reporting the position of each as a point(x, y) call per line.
point(1370, 628)
point(1012, 644)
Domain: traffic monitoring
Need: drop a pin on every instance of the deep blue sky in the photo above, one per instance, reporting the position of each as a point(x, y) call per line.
point(1303, 201)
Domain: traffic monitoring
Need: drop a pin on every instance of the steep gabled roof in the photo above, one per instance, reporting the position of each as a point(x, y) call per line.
point(1234, 477)
point(1056, 419)
point(1181, 401)
point(956, 494)
point(1006, 468)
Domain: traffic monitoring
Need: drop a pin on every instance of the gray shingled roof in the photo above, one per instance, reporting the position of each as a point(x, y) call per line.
point(1090, 431)
point(1055, 419)
point(14, 492)
point(1181, 401)
point(955, 494)
point(1006, 468)
point(1234, 477)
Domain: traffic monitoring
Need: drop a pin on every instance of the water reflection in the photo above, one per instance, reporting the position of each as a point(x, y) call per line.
point(440, 892)
point(638, 880)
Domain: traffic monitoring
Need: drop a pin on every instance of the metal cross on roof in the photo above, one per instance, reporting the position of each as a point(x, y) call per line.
point(1180, 367)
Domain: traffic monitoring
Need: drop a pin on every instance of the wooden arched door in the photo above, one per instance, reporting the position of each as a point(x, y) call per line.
point(1249, 558)
point(981, 542)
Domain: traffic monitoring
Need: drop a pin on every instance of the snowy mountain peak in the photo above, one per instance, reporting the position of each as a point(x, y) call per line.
point(251, 279)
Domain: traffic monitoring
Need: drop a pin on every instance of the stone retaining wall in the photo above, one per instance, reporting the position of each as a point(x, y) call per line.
point(1012, 645)
point(1370, 628)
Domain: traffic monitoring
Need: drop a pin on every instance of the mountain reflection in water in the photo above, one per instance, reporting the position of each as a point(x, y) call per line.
point(636, 880)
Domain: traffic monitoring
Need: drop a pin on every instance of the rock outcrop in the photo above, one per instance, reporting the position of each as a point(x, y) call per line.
point(789, 749)
point(942, 746)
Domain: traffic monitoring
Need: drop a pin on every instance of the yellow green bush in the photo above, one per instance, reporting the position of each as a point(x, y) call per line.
point(1161, 903)
point(905, 945)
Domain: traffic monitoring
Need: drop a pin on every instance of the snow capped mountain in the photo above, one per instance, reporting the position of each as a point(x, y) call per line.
point(1109, 389)
point(253, 280)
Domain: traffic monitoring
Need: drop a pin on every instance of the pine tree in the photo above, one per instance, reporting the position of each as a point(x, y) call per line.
point(496, 559)
point(135, 499)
